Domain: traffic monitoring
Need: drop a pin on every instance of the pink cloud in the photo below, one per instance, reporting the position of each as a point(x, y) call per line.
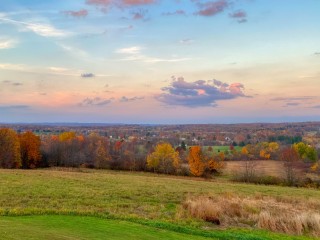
point(137, 2)
point(239, 14)
point(236, 89)
point(177, 12)
point(99, 2)
point(140, 15)
point(211, 8)
point(80, 13)
point(120, 3)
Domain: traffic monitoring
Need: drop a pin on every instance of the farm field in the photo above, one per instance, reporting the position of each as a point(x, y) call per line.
point(263, 167)
point(138, 200)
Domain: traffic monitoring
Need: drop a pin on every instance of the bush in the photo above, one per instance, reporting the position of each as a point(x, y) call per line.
point(266, 180)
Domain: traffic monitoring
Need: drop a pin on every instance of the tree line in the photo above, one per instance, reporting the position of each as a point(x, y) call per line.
point(27, 150)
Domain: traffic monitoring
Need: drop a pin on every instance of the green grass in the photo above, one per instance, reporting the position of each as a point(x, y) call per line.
point(217, 149)
point(224, 148)
point(56, 227)
point(73, 227)
point(137, 198)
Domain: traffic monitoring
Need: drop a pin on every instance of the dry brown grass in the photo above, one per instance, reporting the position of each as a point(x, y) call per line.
point(278, 214)
point(264, 167)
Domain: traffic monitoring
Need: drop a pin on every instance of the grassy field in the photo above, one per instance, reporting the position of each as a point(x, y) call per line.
point(224, 148)
point(151, 201)
point(217, 149)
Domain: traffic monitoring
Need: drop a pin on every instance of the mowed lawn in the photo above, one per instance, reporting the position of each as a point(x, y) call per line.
point(75, 227)
point(136, 200)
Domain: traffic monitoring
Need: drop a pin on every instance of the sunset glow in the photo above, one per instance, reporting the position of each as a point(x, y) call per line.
point(131, 61)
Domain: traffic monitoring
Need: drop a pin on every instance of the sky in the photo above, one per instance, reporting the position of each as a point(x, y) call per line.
point(159, 61)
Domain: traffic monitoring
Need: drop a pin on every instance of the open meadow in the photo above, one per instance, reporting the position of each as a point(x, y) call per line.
point(91, 204)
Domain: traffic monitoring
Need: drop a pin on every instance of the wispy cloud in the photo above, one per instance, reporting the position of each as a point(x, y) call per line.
point(292, 98)
point(15, 84)
point(73, 50)
point(186, 41)
point(77, 14)
point(126, 99)
point(87, 75)
point(97, 101)
point(199, 93)
point(106, 5)
point(120, 3)
point(134, 54)
point(130, 50)
point(175, 13)
point(7, 43)
point(292, 104)
point(41, 29)
point(9, 66)
point(64, 71)
point(240, 16)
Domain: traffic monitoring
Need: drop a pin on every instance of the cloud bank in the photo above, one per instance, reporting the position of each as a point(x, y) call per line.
point(200, 93)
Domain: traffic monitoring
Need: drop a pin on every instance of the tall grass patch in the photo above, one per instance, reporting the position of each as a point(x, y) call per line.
point(277, 214)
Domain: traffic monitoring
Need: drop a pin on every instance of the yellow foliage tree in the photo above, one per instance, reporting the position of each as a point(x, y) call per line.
point(268, 149)
point(164, 159)
point(67, 136)
point(315, 167)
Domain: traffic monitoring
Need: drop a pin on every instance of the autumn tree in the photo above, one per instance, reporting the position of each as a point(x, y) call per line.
point(30, 150)
point(71, 150)
point(196, 160)
point(10, 156)
point(96, 151)
point(67, 136)
point(306, 152)
point(268, 150)
point(290, 157)
point(215, 164)
point(164, 159)
point(202, 164)
point(101, 157)
point(245, 152)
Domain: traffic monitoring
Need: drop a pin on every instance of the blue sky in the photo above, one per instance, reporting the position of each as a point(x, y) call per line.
point(159, 61)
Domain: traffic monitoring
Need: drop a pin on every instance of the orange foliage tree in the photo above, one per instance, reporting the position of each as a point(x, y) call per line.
point(30, 150)
point(202, 165)
point(196, 160)
point(10, 156)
